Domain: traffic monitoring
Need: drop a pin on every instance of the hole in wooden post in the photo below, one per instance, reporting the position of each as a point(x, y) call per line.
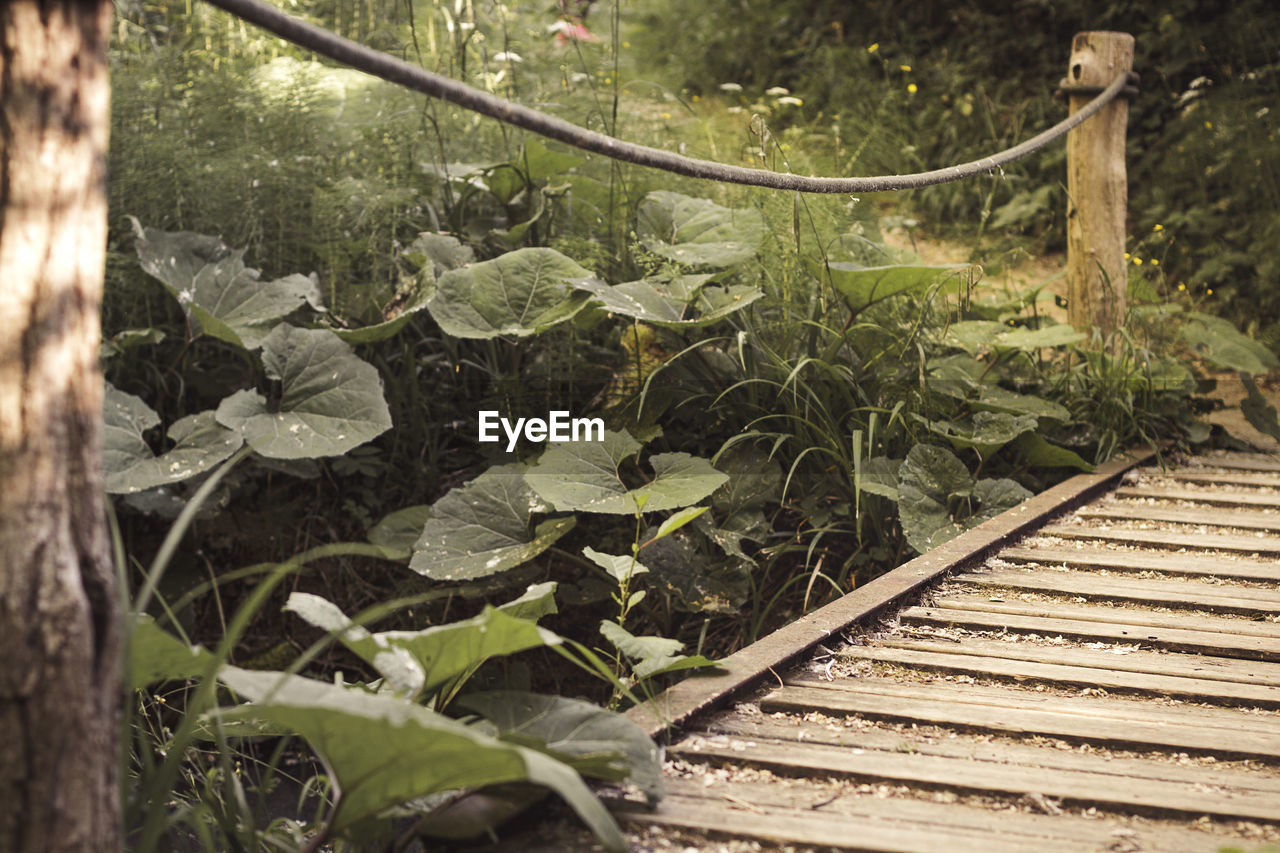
point(1076, 70)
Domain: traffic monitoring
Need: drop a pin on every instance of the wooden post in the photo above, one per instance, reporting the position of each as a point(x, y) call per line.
point(1097, 185)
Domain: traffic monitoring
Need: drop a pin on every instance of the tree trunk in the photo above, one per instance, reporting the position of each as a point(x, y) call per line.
point(60, 687)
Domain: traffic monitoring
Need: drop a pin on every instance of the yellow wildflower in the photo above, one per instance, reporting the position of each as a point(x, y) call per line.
point(912, 88)
point(873, 48)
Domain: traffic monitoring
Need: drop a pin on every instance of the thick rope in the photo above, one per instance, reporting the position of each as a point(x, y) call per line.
point(347, 52)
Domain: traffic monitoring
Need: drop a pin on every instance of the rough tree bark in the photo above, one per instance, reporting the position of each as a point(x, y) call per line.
point(59, 621)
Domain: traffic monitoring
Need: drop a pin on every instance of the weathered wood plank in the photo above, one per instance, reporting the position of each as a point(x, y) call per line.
point(743, 728)
point(1180, 664)
point(1121, 710)
point(1214, 498)
point(1076, 787)
point(1231, 626)
point(1173, 639)
point(1239, 461)
point(1268, 481)
point(1142, 512)
point(1166, 539)
point(807, 813)
point(1027, 721)
point(1213, 598)
point(696, 694)
point(1137, 561)
point(1193, 689)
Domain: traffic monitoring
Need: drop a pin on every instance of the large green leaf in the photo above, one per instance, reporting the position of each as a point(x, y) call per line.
point(593, 741)
point(938, 500)
point(447, 653)
point(399, 530)
point(1039, 453)
point(1220, 343)
point(986, 432)
point(332, 400)
point(1260, 414)
point(976, 335)
point(651, 656)
point(587, 476)
point(862, 286)
point(520, 293)
point(156, 655)
point(385, 750)
point(483, 527)
point(698, 232)
point(216, 289)
point(671, 303)
point(416, 662)
point(879, 476)
point(130, 466)
point(431, 256)
point(401, 671)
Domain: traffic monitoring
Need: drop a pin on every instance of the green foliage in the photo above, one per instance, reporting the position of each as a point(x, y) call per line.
point(792, 406)
point(484, 527)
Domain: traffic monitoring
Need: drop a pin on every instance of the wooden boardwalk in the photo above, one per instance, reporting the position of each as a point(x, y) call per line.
point(1103, 679)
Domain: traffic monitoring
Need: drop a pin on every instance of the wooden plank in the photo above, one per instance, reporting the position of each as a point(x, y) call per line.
point(1214, 498)
point(1239, 461)
point(1231, 626)
point(1143, 512)
point(1027, 721)
point(1213, 598)
point(1199, 642)
point(1160, 663)
point(740, 729)
point(1137, 561)
point(1193, 689)
point(698, 693)
point(1166, 539)
point(1121, 711)
point(1074, 787)
point(1266, 481)
point(803, 812)
point(733, 814)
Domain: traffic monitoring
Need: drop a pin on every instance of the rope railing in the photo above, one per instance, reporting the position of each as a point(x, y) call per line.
point(397, 71)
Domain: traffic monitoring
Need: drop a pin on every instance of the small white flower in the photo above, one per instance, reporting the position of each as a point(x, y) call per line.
point(735, 109)
point(730, 87)
point(776, 91)
point(186, 297)
point(579, 77)
point(508, 56)
point(795, 102)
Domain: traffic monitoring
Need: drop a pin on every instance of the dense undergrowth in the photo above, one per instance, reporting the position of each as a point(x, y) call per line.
point(922, 85)
point(787, 406)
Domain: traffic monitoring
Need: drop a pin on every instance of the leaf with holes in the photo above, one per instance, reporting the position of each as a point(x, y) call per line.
point(520, 293)
point(588, 476)
point(671, 303)
point(938, 500)
point(484, 527)
point(216, 289)
point(863, 286)
point(331, 402)
point(698, 232)
point(593, 741)
point(130, 466)
point(986, 432)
